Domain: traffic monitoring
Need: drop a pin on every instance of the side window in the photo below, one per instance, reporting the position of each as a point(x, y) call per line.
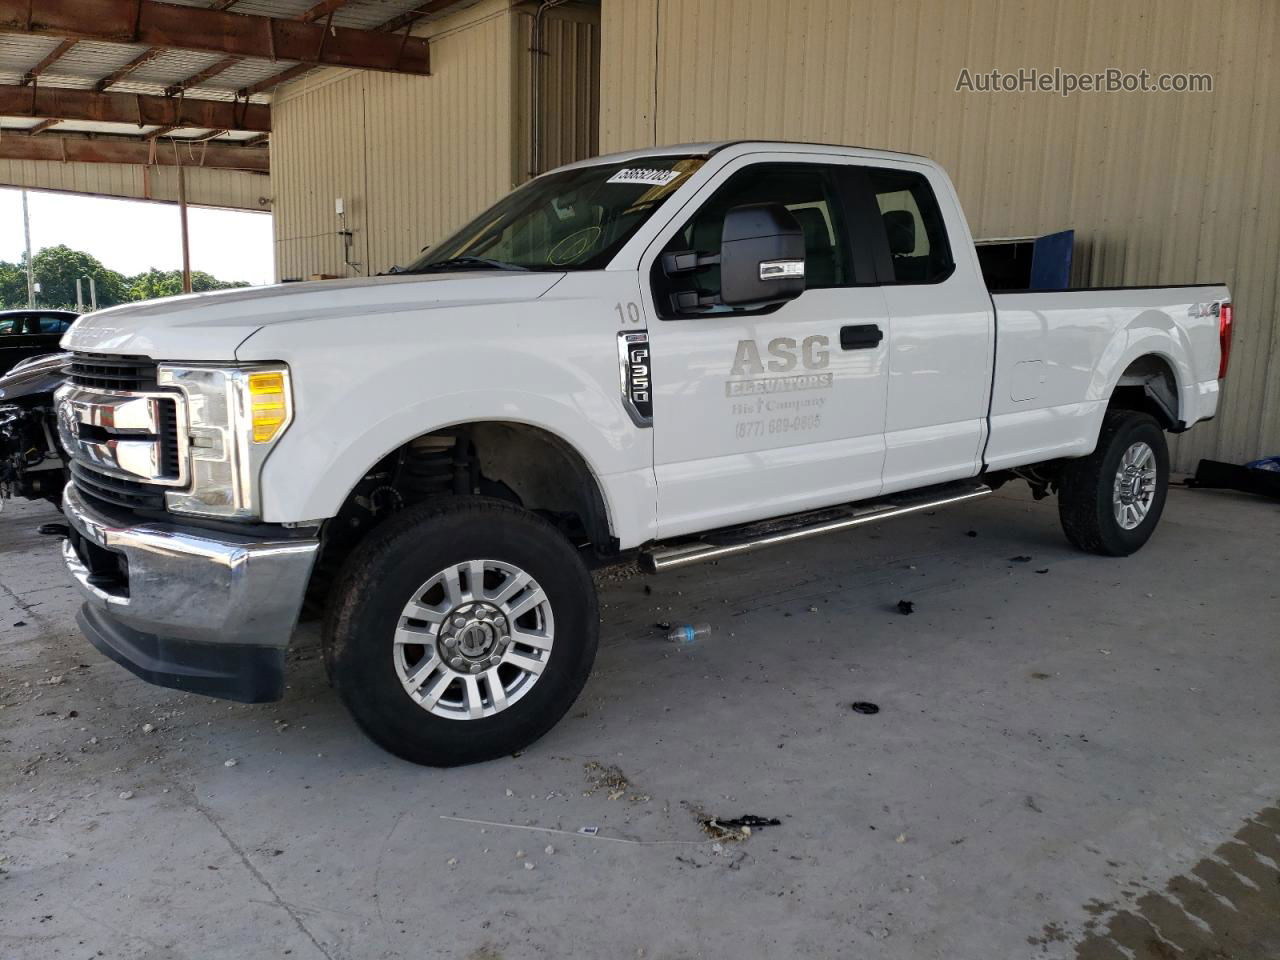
point(916, 235)
point(807, 190)
point(54, 324)
point(7, 326)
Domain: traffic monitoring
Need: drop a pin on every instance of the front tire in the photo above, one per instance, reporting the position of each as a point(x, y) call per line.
point(461, 631)
point(1110, 501)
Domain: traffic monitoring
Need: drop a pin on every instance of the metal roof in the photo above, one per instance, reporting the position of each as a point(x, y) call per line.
point(90, 61)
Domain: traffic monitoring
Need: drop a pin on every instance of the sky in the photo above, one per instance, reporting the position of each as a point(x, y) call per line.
point(131, 236)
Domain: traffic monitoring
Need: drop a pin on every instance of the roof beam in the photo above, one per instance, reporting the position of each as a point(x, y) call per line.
point(141, 109)
point(215, 31)
point(42, 126)
point(201, 77)
point(323, 10)
point(403, 21)
point(141, 60)
point(132, 150)
point(147, 55)
point(410, 17)
point(56, 54)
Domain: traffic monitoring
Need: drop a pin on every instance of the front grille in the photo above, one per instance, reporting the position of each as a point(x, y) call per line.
point(112, 373)
point(126, 375)
point(130, 494)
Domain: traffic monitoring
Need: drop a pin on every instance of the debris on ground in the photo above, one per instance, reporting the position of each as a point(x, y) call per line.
point(20, 623)
point(731, 829)
point(906, 607)
point(126, 795)
point(148, 728)
point(55, 681)
point(528, 864)
point(1020, 558)
point(900, 838)
point(605, 777)
point(548, 849)
point(1260, 477)
point(865, 707)
point(971, 533)
point(230, 763)
point(1044, 570)
point(686, 633)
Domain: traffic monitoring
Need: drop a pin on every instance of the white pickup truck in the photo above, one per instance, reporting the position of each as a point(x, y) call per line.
point(672, 354)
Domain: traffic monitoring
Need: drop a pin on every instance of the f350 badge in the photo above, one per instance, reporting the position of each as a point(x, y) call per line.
point(637, 382)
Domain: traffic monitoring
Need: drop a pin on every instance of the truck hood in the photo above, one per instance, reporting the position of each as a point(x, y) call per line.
point(210, 326)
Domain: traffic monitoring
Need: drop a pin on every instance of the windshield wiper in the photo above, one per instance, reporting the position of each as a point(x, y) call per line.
point(466, 263)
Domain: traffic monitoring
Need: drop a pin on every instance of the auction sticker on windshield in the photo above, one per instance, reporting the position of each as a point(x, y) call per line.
point(657, 178)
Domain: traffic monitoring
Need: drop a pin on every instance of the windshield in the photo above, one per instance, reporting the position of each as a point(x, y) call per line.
point(573, 220)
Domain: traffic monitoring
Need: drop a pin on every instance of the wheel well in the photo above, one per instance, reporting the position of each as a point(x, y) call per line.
point(1149, 385)
point(510, 461)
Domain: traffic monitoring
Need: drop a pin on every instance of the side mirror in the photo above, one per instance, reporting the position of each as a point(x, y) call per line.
point(761, 256)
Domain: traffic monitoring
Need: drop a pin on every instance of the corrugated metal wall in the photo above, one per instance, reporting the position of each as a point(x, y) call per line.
point(569, 98)
point(1161, 188)
point(214, 188)
point(414, 157)
point(411, 157)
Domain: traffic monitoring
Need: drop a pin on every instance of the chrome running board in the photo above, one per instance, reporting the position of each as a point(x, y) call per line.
point(737, 540)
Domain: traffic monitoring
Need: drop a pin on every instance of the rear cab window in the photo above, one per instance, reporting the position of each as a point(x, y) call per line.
point(913, 237)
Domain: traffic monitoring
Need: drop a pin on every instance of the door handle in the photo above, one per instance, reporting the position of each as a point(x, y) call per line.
point(861, 336)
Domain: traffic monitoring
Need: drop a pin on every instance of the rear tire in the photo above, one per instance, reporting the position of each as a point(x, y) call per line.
point(1110, 501)
point(461, 631)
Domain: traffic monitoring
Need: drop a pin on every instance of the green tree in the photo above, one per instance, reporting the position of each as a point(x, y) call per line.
point(13, 284)
point(168, 283)
point(58, 268)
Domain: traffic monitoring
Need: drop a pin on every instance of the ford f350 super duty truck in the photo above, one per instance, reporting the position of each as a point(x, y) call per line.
point(673, 354)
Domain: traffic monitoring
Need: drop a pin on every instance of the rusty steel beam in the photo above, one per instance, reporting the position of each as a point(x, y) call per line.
point(132, 150)
point(141, 60)
point(56, 54)
point(152, 52)
point(403, 21)
point(216, 31)
point(41, 127)
point(410, 17)
point(321, 10)
point(140, 109)
point(199, 78)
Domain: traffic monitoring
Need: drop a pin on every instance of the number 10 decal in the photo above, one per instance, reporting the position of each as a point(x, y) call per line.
point(637, 383)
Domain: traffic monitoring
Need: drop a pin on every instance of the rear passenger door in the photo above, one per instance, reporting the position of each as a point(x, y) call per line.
point(941, 327)
point(759, 413)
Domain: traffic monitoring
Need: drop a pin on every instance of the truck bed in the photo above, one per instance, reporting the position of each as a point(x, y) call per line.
point(1060, 352)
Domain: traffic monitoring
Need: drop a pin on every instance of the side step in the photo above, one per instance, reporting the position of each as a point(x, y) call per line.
point(803, 525)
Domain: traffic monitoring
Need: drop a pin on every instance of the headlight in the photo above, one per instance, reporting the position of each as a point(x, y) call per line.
point(236, 415)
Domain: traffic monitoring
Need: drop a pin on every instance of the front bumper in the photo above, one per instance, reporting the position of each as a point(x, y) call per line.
point(196, 610)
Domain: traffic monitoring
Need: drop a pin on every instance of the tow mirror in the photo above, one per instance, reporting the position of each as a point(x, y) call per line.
point(761, 256)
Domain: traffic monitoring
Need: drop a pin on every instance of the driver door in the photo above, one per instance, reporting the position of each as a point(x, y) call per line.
point(760, 413)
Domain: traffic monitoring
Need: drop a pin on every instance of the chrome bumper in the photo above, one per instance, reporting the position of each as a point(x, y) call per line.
point(186, 590)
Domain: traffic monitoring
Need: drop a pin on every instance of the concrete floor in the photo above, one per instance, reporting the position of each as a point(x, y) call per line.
point(1073, 757)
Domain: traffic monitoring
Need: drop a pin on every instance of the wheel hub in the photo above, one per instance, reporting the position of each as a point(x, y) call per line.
point(1134, 490)
point(473, 639)
point(474, 636)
